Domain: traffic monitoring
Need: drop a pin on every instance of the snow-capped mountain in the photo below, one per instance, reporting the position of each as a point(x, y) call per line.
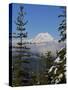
point(42, 43)
point(42, 37)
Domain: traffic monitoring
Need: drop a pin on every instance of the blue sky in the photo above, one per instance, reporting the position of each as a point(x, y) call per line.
point(41, 18)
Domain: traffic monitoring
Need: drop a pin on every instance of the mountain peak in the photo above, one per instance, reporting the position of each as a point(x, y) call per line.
point(42, 37)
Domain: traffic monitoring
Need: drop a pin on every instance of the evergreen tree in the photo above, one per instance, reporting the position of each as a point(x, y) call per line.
point(62, 25)
point(21, 66)
point(58, 70)
point(47, 62)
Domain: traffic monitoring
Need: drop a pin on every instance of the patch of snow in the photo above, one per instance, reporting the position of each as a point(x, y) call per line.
point(65, 56)
point(52, 81)
point(58, 60)
point(65, 73)
point(57, 81)
point(55, 70)
point(62, 48)
point(60, 76)
point(38, 82)
point(51, 69)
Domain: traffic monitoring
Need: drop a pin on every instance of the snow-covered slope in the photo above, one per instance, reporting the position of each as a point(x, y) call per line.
point(42, 37)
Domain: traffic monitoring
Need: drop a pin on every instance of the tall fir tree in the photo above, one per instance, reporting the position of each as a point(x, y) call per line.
point(62, 25)
point(21, 66)
point(58, 70)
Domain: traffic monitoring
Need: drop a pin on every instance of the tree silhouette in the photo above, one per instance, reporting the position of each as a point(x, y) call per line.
point(21, 69)
point(62, 25)
point(58, 70)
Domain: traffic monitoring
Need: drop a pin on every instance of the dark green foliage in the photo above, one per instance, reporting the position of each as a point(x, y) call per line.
point(47, 59)
point(58, 71)
point(62, 25)
point(21, 73)
point(47, 62)
point(62, 53)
